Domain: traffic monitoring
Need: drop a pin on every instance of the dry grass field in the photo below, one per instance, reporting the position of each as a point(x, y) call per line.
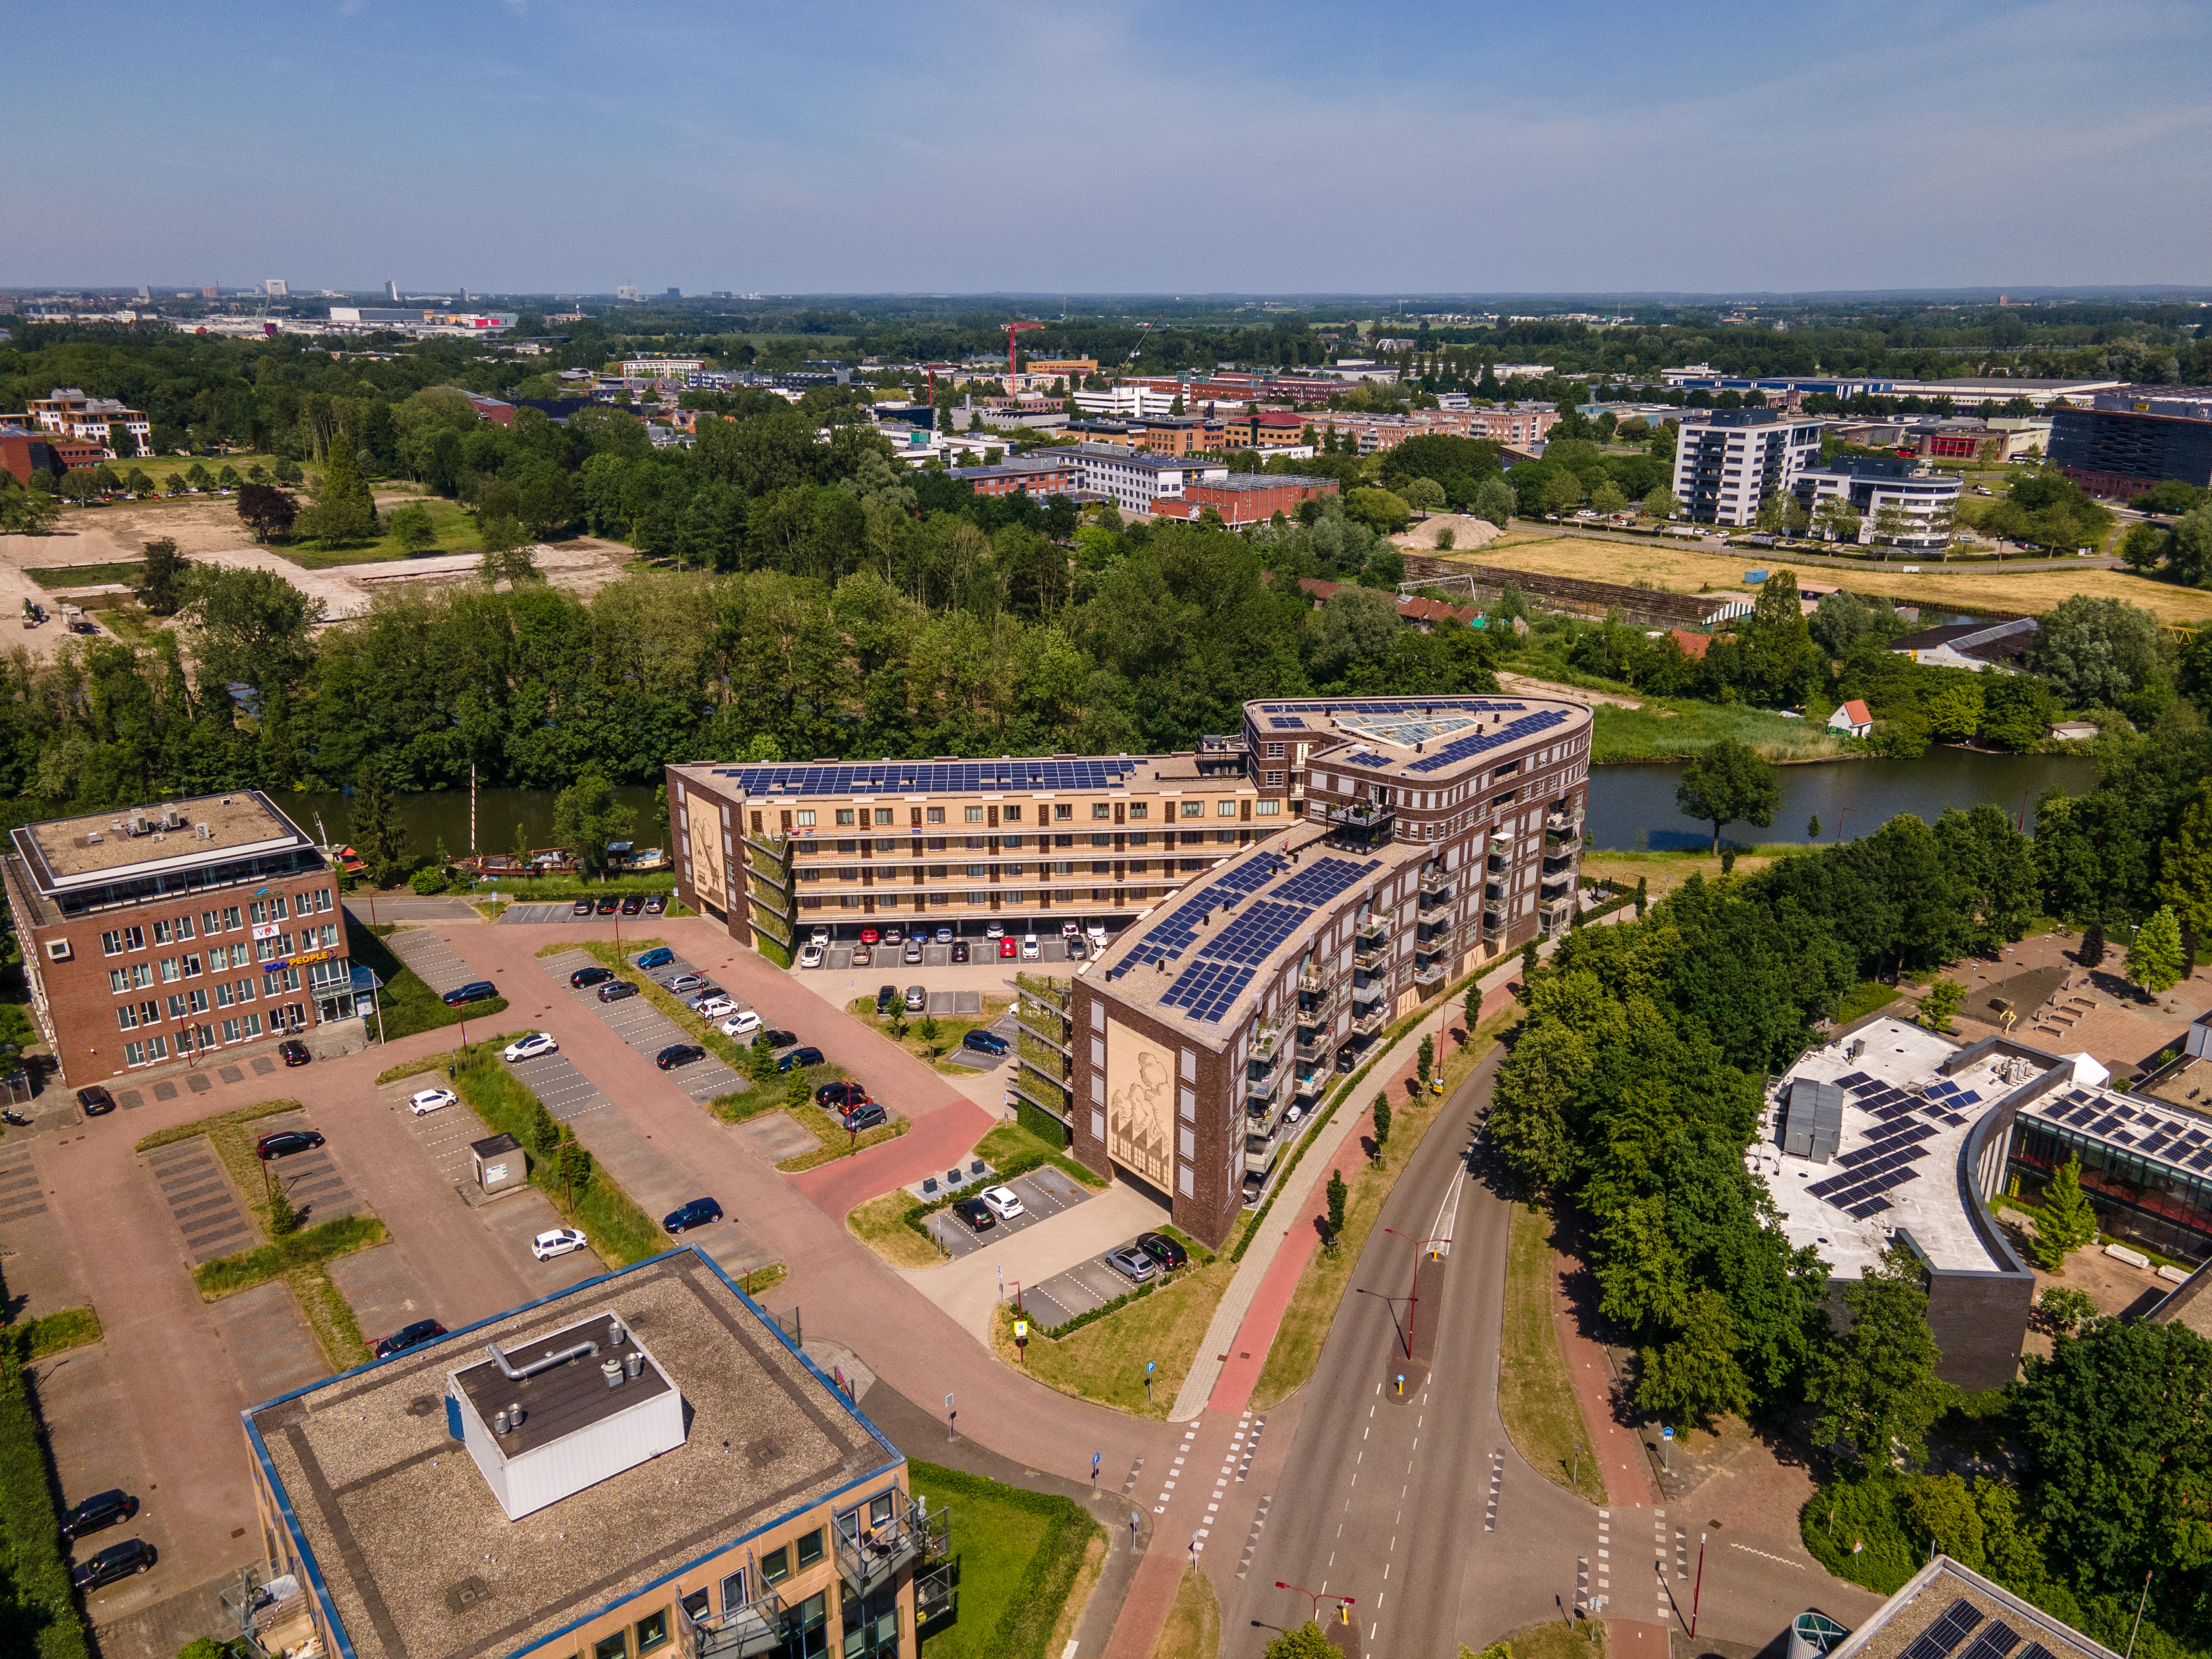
point(1683, 570)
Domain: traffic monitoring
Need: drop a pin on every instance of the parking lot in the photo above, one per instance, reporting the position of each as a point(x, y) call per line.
point(1086, 1285)
point(646, 1028)
point(1050, 947)
point(564, 910)
point(1043, 1192)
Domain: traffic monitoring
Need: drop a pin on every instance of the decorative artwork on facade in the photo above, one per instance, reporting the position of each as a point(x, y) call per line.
point(707, 859)
point(1140, 1104)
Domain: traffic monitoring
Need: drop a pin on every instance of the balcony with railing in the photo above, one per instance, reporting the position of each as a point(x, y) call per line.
point(753, 1629)
point(1493, 918)
point(1045, 989)
point(1499, 864)
point(1310, 1048)
point(1437, 881)
point(1048, 1059)
point(1556, 915)
point(1265, 1042)
point(1310, 1085)
point(1375, 927)
point(1557, 886)
point(1371, 1019)
point(1563, 824)
point(1369, 957)
point(1361, 822)
point(1428, 975)
point(1317, 1000)
point(877, 1554)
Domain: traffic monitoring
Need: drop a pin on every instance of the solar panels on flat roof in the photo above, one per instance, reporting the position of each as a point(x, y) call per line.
point(931, 776)
point(1937, 1641)
point(1287, 723)
point(1367, 757)
point(1322, 880)
point(1853, 1080)
point(1871, 1208)
point(1459, 749)
point(1997, 1639)
point(1206, 990)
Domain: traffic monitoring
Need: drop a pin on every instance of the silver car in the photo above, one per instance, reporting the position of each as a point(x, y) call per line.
point(1131, 1263)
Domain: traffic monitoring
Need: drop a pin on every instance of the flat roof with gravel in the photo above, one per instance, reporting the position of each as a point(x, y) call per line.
point(413, 1552)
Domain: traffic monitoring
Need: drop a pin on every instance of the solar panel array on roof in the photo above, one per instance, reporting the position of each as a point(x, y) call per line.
point(1353, 708)
point(1459, 749)
point(1206, 989)
point(1367, 757)
point(1997, 1639)
point(1322, 880)
point(931, 776)
point(1287, 723)
point(1946, 1632)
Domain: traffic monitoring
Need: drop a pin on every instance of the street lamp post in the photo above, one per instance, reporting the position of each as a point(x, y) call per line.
point(1698, 1591)
point(1413, 1301)
point(1344, 1603)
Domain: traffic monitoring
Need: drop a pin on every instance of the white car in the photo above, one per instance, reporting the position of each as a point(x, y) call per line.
point(717, 1008)
point(1297, 1110)
point(1003, 1202)
point(530, 1047)
point(1070, 929)
point(820, 936)
point(742, 1024)
point(424, 1102)
point(996, 930)
point(1028, 947)
point(559, 1241)
point(1097, 932)
point(810, 955)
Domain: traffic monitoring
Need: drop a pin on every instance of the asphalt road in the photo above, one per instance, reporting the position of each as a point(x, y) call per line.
point(1388, 1503)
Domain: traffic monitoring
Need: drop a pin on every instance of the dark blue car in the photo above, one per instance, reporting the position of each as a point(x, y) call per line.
point(697, 1213)
point(799, 1057)
point(984, 1042)
point(657, 959)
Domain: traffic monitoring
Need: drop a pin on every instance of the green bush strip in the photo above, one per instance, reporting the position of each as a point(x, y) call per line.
point(308, 1247)
point(38, 1611)
point(1029, 1608)
point(204, 1125)
point(53, 1332)
point(1099, 1312)
point(619, 1231)
point(408, 1005)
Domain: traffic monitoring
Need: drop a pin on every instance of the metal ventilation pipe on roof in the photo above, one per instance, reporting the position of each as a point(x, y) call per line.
point(544, 1362)
point(499, 1425)
point(634, 1363)
point(616, 1334)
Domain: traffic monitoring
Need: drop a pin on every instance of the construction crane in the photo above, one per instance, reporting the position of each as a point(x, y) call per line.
point(1012, 329)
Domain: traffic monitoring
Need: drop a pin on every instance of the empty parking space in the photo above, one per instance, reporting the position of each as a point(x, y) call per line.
point(209, 1214)
point(432, 959)
point(22, 1195)
point(519, 1217)
point(1043, 1192)
point(269, 1341)
point(1086, 1285)
point(381, 1292)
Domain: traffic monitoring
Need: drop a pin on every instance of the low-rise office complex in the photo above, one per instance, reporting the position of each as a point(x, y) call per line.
point(159, 935)
point(2130, 441)
point(644, 1463)
point(121, 431)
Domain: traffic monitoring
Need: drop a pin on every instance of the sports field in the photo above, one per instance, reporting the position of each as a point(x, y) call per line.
point(1989, 587)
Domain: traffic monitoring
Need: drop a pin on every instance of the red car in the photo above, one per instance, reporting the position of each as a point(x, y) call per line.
point(867, 936)
point(1007, 947)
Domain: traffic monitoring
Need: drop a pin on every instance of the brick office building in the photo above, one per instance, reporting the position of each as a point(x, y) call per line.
point(1245, 498)
point(157, 935)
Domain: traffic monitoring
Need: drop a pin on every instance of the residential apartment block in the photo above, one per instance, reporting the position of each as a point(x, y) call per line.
point(1133, 479)
point(161, 935)
point(1726, 462)
point(69, 413)
point(1871, 484)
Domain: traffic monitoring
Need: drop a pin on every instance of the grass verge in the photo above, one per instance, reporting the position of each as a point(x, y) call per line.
point(204, 1126)
point(892, 1225)
point(762, 1279)
point(1865, 997)
point(38, 1611)
point(1019, 1553)
point(329, 1316)
point(1535, 1394)
point(308, 1248)
point(1193, 1627)
point(836, 1143)
point(881, 1224)
point(1104, 1360)
point(619, 1231)
point(944, 1031)
point(1675, 728)
point(54, 1333)
point(407, 1002)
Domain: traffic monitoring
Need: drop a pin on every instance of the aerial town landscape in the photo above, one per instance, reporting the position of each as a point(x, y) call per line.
point(758, 905)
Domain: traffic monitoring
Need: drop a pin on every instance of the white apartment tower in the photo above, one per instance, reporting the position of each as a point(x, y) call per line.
point(1726, 462)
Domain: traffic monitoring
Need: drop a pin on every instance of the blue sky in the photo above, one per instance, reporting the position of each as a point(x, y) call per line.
point(539, 145)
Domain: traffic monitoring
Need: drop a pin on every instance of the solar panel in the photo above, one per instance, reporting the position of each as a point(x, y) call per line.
point(2035, 1651)
point(2084, 1114)
point(1367, 757)
point(1871, 1207)
point(1854, 1080)
point(950, 776)
point(1997, 1640)
point(1460, 749)
point(1967, 1098)
point(1955, 1120)
point(1322, 881)
point(1946, 1632)
point(2203, 1160)
point(1288, 723)
point(1940, 1090)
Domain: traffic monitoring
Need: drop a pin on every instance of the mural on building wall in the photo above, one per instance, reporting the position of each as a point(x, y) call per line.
point(707, 858)
point(1139, 1104)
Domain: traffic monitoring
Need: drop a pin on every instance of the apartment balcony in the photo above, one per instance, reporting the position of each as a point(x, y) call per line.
point(1558, 859)
point(1374, 926)
point(1562, 823)
point(1555, 916)
point(1493, 918)
point(880, 1553)
point(755, 1628)
point(1429, 974)
point(1437, 883)
point(1261, 1091)
point(1048, 1097)
point(1265, 1045)
point(1563, 845)
point(1370, 958)
point(1498, 863)
point(1367, 1023)
point(1361, 822)
point(1315, 1006)
point(1493, 892)
point(1309, 1086)
point(1311, 1048)
point(1557, 886)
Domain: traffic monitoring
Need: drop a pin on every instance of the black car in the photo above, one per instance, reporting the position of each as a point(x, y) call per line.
point(294, 1052)
point(866, 1115)
point(978, 1217)
point(780, 1039)
point(617, 991)
point(95, 1100)
point(1162, 1249)
point(655, 905)
point(116, 1561)
point(960, 949)
point(840, 1096)
point(799, 1057)
point(887, 998)
point(98, 1512)
point(697, 1213)
point(609, 906)
point(583, 907)
point(411, 1336)
point(981, 1041)
point(632, 905)
point(287, 1142)
point(477, 990)
point(592, 975)
point(678, 1054)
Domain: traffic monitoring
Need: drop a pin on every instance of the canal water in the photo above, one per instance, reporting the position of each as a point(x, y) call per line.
point(1632, 807)
point(443, 815)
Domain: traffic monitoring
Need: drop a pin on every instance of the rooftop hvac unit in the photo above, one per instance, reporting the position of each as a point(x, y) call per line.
point(139, 826)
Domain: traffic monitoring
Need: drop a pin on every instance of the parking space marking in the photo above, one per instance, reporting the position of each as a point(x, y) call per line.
point(209, 1217)
point(1043, 1192)
point(647, 1029)
point(21, 1196)
point(430, 957)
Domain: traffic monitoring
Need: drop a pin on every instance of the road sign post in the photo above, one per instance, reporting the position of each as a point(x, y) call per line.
point(1150, 1367)
point(1666, 1447)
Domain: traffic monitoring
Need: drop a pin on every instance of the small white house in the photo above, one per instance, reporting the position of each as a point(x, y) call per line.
point(1852, 718)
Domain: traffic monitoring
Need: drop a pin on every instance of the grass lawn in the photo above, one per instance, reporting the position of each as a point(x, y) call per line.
point(1552, 1640)
point(1104, 1360)
point(1687, 728)
point(1193, 1627)
point(457, 533)
point(1020, 1556)
point(1864, 999)
point(408, 1004)
point(880, 1224)
point(1534, 1397)
point(86, 575)
point(1661, 868)
point(53, 1332)
point(907, 1030)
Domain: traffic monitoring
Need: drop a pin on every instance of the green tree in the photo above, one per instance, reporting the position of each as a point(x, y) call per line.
point(2184, 864)
point(507, 556)
point(1562, 492)
point(378, 835)
point(796, 1093)
point(587, 815)
point(1644, 893)
point(2065, 1222)
point(1338, 1194)
point(2189, 549)
point(2093, 945)
point(574, 1168)
point(1425, 1060)
point(1306, 1641)
point(412, 527)
point(344, 512)
point(2155, 960)
point(1728, 783)
point(2094, 652)
point(1875, 1386)
point(2064, 1311)
point(544, 1132)
point(1812, 827)
point(283, 1214)
point(2143, 548)
point(1659, 503)
point(249, 626)
point(1381, 1121)
point(1422, 494)
point(161, 585)
point(1941, 1004)
point(1607, 499)
point(1692, 1376)
point(1494, 500)
point(1471, 1007)
point(760, 1059)
point(267, 511)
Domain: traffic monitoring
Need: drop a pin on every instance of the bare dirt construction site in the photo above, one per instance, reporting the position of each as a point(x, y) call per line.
point(208, 530)
point(1979, 587)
